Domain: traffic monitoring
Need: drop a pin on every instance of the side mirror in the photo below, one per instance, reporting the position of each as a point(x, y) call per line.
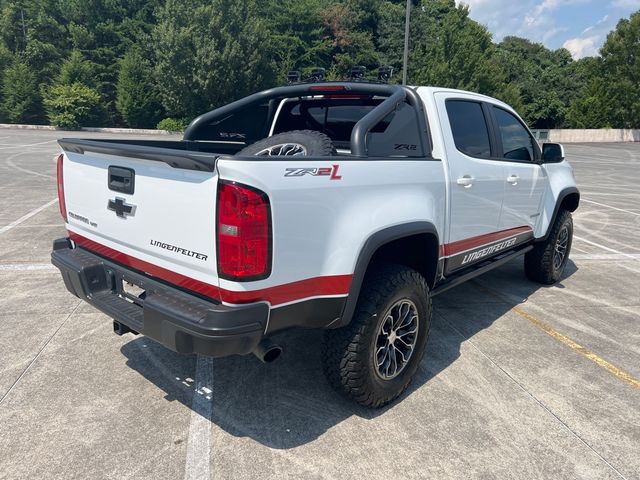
point(552, 153)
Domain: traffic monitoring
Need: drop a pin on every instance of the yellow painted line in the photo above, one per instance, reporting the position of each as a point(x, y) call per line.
point(601, 362)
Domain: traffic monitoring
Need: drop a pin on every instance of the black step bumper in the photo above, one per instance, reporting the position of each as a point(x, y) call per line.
point(180, 321)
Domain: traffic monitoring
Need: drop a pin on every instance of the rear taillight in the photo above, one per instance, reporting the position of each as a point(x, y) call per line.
point(60, 182)
point(244, 232)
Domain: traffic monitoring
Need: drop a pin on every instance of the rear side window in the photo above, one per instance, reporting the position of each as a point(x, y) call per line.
point(517, 144)
point(246, 125)
point(469, 128)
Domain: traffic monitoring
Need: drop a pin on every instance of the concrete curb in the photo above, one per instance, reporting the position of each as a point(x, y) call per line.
point(138, 131)
point(577, 135)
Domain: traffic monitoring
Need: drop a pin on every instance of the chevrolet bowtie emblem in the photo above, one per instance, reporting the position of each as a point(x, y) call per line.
point(121, 207)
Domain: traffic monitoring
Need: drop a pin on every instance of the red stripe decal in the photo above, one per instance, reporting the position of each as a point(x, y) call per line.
point(174, 278)
point(469, 243)
point(289, 292)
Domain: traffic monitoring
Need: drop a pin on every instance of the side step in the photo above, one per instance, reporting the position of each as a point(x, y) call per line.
point(457, 279)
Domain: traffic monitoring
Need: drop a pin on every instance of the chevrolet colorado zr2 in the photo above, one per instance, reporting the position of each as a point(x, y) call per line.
point(344, 206)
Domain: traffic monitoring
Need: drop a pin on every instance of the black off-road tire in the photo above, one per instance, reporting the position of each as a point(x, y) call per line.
point(348, 353)
point(316, 144)
point(539, 264)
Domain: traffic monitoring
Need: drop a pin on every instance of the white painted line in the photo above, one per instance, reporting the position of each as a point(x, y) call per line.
point(26, 170)
point(19, 267)
point(26, 217)
point(627, 255)
point(197, 465)
point(27, 145)
point(604, 256)
point(44, 225)
point(613, 208)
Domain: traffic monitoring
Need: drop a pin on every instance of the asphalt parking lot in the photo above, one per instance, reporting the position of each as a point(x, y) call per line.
point(519, 381)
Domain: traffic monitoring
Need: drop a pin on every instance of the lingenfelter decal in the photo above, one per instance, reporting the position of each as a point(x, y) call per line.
point(183, 251)
point(331, 172)
point(486, 250)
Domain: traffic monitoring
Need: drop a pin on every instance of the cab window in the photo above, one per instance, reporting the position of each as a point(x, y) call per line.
point(469, 128)
point(517, 143)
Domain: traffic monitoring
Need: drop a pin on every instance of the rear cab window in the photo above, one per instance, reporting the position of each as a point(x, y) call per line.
point(397, 135)
point(469, 127)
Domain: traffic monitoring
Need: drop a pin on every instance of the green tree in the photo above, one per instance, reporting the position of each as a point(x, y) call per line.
point(390, 38)
point(610, 97)
point(621, 73)
point(209, 53)
point(547, 80)
point(590, 109)
point(20, 99)
point(76, 69)
point(137, 100)
point(233, 55)
point(71, 106)
point(5, 61)
point(174, 51)
point(449, 49)
point(299, 38)
point(350, 28)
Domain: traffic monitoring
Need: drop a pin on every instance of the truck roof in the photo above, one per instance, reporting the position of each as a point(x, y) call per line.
point(432, 90)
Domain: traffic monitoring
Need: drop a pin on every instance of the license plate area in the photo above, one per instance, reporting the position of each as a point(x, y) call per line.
point(129, 289)
point(132, 290)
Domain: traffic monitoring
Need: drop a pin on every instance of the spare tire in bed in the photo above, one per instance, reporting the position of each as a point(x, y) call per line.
point(294, 143)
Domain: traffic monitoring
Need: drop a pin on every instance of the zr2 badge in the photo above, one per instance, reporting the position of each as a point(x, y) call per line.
point(331, 172)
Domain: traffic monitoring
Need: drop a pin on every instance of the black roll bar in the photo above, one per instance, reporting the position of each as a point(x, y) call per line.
point(371, 119)
point(396, 93)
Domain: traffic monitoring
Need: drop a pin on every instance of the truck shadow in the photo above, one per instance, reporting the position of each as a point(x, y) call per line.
point(288, 403)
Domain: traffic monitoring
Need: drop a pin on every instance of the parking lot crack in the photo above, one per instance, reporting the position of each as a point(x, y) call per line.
point(24, 372)
point(524, 389)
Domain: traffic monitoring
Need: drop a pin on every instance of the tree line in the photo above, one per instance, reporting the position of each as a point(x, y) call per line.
point(148, 63)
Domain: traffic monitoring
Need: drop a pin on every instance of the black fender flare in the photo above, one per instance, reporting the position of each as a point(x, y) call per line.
point(373, 243)
point(564, 193)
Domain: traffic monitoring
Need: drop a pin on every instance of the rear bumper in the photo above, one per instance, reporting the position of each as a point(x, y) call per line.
point(178, 320)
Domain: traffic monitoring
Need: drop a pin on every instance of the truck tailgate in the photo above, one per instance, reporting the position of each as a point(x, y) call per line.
point(145, 209)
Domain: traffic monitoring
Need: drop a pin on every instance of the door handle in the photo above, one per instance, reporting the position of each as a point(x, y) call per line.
point(513, 179)
point(466, 181)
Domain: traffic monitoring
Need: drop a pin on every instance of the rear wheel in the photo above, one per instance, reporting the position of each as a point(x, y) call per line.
point(546, 262)
point(292, 144)
point(374, 358)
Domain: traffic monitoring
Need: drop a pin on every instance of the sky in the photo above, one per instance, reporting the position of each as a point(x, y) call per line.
point(581, 26)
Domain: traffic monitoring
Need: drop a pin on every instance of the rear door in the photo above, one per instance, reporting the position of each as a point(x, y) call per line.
point(476, 177)
point(525, 179)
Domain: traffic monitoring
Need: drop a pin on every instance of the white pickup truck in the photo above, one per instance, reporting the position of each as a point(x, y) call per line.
point(338, 205)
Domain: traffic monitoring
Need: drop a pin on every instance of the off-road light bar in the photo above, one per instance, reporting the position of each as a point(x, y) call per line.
point(385, 73)
point(317, 75)
point(358, 72)
point(293, 76)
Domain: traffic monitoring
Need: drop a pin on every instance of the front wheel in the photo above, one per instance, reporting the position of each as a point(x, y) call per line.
point(373, 359)
point(546, 262)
